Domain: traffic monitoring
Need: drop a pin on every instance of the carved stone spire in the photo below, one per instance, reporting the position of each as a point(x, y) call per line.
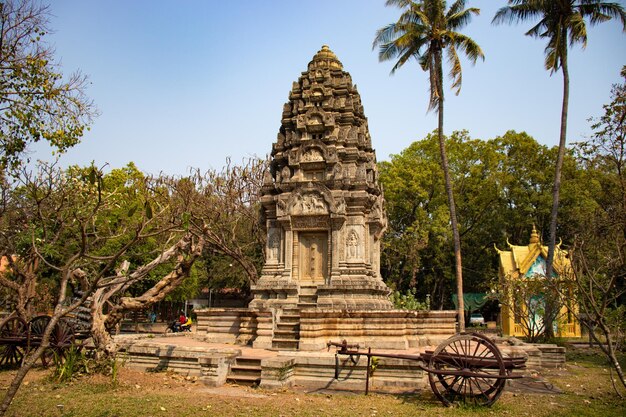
point(323, 205)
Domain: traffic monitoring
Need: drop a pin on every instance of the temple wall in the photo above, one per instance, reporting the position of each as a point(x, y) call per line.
point(227, 325)
point(208, 365)
point(384, 329)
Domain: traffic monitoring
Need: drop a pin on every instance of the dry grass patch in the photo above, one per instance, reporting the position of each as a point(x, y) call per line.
point(586, 387)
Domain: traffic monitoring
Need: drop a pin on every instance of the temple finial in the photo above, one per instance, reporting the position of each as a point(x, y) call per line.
point(534, 236)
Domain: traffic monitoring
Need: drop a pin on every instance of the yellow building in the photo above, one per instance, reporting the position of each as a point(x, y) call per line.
point(522, 315)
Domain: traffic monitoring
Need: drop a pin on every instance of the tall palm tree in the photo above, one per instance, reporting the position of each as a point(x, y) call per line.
point(423, 31)
point(559, 21)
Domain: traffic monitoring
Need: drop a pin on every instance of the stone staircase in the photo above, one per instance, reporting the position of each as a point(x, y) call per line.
point(307, 296)
point(287, 331)
point(245, 371)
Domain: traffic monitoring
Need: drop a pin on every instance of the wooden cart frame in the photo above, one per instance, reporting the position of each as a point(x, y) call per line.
point(466, 368)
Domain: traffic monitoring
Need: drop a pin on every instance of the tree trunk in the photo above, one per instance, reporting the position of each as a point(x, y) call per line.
point(103, 341)
point(551, 304)
point(448, 181)
point(158, 292)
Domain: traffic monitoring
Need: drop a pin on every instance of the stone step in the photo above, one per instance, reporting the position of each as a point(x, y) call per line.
point(307, 305)
point(285, 344)
point(280, 335)
point(289, 318)
point(289, 321)
point(245, 371)
point(308, 297)
point(248, 381)
point(287, 325)
point(291, 331)
point(291, 312)
point(248, 361)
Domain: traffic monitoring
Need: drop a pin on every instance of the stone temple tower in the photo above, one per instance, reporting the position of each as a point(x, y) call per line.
point(322, 204)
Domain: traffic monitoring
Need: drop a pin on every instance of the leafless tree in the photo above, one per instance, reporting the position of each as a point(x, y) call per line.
point(600, 273)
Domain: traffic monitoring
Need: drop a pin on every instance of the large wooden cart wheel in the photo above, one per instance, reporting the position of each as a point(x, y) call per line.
point(467, 368)
point(61, 339)
point(12, 337)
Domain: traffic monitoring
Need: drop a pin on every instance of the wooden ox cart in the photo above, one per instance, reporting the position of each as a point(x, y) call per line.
point(466, 368)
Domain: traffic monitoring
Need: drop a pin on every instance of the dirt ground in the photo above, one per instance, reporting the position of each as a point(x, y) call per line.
point(581, 388)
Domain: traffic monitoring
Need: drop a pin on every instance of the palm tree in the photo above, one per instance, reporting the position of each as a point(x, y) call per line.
point(423, 31)
point(559, 21)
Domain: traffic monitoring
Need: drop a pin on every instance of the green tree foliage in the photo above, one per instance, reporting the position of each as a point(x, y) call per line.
point(36, 102)
point(502, 187)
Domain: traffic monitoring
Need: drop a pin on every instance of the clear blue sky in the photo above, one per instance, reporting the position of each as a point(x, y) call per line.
point(189, 83)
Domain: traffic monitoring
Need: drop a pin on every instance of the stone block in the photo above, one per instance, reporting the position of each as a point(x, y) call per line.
point(277, 372)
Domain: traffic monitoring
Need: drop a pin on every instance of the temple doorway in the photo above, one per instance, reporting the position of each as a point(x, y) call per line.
point(313, 256)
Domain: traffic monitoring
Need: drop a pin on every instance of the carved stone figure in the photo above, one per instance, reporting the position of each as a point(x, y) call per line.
point(338, 171)
point(285, 173)
point(273, 245)
point(312, 155)
point(352, 245)
point(360, 173)
point(309, 204)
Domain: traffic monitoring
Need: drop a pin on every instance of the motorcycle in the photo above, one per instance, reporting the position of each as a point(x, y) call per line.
point(176, 327)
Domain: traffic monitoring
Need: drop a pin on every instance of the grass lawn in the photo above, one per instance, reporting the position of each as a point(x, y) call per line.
point(585, 384)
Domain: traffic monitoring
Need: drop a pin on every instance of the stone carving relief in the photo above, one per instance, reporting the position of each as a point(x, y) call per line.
point(280, 139)
point(310, 222)
point(338, 171)
point(273, 245)
point(281, 208)
point(351, 170)
point(311, 203)
point(341, 206)
point(312, 155)
point(352, 134)
point(285, 173)
point(315, 120)
point(343, 133)
point(353, 245)
point(349, 103)
point(360, 173)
